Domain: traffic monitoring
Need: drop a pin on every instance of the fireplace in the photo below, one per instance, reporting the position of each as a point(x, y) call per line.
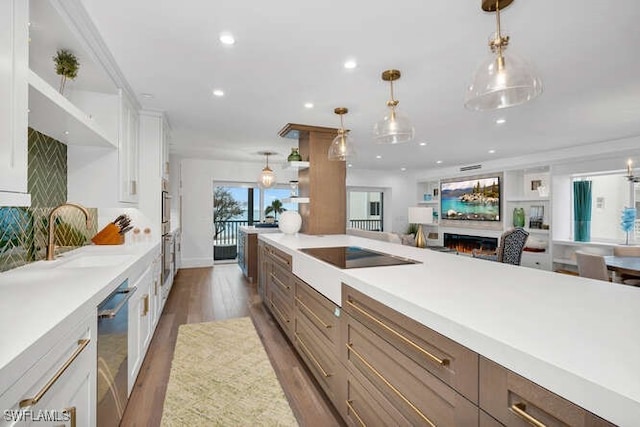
point(465, 244)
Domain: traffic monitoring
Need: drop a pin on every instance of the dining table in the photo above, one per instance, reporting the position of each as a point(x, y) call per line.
point(623, 264)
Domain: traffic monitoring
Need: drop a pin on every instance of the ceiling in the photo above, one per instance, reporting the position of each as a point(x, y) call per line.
point(289, 52)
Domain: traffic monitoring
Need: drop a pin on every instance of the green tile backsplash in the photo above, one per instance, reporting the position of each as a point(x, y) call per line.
point(23, 231)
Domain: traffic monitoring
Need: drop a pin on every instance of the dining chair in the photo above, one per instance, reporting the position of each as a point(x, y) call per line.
point(510, 248)
point(592, 266)
point(632, 251)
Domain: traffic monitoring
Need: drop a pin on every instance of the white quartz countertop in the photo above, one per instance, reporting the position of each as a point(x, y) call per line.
point(250, 229)
point(38, 297)
point(579, 338)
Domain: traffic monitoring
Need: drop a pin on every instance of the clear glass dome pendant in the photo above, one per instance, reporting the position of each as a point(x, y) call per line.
point(504, 79)
point(394, 128)
point(342, 145)
point(267, 178)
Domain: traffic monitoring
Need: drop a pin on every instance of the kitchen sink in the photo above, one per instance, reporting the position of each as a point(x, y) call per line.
point(95, 261)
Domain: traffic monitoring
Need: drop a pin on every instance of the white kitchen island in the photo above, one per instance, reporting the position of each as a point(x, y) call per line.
point(573, 336)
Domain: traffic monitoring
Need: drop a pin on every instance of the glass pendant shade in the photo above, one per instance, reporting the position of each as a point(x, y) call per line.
point(394, 128)
point(501, 82)
point(267, 178)
point(341, 147)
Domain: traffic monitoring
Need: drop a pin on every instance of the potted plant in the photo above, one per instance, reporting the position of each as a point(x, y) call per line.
point(66, 66)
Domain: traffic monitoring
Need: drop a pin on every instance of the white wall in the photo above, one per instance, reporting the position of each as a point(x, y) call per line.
point(197, 177)
point(399, 193)
point(605, 221)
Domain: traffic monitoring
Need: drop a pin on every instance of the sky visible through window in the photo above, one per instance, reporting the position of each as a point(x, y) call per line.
point(241, 194)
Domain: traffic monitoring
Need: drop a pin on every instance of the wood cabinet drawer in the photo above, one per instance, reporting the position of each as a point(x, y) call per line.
point(515, 401)
point(365, 406)
point(415, 392)
point(320, 358)
point(320, 312)
point(281, 308)
point(281, 279)
point(453, 363)
point(279, 257)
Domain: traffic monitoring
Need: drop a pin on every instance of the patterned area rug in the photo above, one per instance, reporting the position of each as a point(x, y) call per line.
point(221, 375)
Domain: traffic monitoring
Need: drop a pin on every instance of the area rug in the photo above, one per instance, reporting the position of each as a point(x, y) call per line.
point(221, 375)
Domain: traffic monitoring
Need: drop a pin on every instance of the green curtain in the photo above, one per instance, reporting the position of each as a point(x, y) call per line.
point(582, 211)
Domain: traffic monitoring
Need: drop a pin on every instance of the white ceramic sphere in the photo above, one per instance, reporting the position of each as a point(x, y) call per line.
point(290, 222)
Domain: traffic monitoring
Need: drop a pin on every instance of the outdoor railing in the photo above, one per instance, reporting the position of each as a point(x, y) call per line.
point(366, 224)
point(229, 234)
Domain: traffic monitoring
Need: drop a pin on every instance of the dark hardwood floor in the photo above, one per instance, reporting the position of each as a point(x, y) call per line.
point(208, 294)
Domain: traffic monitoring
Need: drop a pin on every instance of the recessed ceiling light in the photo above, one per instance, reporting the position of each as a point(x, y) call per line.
point(66, 132)
point(350, 64)
point(403, 169)
point(500, 121)
point(218, 92)
point(227, 38)
point(378, 156)
point(308, 105)
point(422, 144)
point(349, 165)
point(492, 151)
point(438, 162)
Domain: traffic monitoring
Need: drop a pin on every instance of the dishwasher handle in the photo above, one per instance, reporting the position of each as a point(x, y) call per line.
point(110, 314)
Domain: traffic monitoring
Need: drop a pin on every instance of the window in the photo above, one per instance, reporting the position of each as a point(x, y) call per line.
point(610, 194)
point(374, 208)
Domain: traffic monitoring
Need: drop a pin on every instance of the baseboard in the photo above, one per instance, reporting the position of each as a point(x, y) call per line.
point(196, 262)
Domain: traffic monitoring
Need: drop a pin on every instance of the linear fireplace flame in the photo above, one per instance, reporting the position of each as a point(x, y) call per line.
point(465, 244)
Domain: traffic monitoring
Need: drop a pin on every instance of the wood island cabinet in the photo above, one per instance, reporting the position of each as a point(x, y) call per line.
point(380, 367)
point(248, 255)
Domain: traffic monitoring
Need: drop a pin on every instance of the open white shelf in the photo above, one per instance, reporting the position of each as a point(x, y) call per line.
point(295, 165)
point(566, 261)
point(528, 199)
point(428, 202)
point(296, 200)
point(54, 115)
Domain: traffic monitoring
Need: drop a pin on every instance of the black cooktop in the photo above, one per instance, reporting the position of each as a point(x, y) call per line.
point(356, 257)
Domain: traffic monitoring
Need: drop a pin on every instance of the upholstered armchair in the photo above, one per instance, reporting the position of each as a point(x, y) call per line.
point(509, 250)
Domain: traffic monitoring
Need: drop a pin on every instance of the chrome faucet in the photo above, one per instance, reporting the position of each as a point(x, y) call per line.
point(50, 245)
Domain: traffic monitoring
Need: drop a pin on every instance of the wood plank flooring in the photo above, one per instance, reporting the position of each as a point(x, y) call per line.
point(208, 294)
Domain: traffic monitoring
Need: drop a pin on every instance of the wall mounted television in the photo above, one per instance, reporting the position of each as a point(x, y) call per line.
point(471, 199)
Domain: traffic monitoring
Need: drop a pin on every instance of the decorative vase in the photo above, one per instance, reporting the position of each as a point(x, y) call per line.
point(290, 222)
point(518, 217)
point(294, 156)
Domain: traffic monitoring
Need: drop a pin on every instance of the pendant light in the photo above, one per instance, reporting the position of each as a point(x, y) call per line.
point(394, 128)
point(504, 79)
point(267, 178)
point(342, 145)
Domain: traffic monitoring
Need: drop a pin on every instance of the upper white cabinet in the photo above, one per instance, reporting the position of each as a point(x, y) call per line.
point(14, 35)
point(128, 151)
point(86, 112)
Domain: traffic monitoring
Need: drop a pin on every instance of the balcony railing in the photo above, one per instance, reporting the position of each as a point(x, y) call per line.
point(229, 232)
point(366, 224)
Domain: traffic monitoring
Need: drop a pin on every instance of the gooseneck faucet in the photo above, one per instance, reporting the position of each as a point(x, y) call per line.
point(50, 245)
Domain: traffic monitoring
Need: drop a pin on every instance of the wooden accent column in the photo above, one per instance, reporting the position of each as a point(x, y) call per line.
point(324, 182)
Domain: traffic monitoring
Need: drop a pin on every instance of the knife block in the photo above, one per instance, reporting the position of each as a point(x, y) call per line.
point(109, 235)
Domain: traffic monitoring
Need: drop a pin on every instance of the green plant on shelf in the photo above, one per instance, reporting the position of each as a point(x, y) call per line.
point(67, 66)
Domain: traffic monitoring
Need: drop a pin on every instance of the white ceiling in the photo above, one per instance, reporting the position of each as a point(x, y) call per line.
point(289, 52)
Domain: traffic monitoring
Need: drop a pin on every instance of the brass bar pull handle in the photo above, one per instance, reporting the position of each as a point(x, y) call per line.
point(32, 401)
point(279, 313)
point(72, 415)
point(520, 409)
point(391, 386)
point(145, 300)
point(439, 361)
point(279, 258)
point(324, 325)
point(352, 409)
point(279, 282)
point(315, 361)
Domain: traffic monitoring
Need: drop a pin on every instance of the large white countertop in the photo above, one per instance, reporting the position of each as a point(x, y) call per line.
point(251, 229)
point(579, 338)
point(44, 295)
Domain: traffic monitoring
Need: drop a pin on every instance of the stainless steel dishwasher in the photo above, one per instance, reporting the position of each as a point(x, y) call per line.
point(113, 336)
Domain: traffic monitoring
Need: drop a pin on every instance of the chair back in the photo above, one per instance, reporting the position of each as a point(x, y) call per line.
point(626, 251)
point(592, 266)
point(511, 246)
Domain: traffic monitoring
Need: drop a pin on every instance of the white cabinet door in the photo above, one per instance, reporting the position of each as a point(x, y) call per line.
point(14, 15)
point(139, 325)
point(128, 151)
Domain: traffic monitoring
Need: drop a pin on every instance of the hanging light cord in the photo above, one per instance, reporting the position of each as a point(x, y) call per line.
point(499, 42)
point(392, 102)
